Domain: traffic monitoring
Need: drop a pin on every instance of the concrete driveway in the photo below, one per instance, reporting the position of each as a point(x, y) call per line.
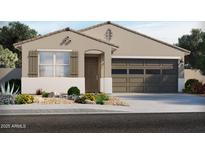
point(138, 103)
point(154, 103)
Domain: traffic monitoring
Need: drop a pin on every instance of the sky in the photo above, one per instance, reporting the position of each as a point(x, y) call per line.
point(168, 31)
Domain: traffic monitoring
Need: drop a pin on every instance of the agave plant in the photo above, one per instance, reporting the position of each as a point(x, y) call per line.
point(9, 90)
point(8, 94)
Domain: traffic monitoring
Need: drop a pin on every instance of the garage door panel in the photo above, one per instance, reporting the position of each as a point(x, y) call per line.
point(136, 89)
point(136, 79)
point(152, 89)
point(119, 84)
point(119, 89)
point(145, 75)
point(152, 79)
point(169, 79)
point(134, 62)
point(152, 62)
point(119, 62)
point(169, 62)
point(118, 79)
point(135, 84)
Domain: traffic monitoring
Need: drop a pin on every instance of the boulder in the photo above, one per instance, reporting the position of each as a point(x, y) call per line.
point(51, 94)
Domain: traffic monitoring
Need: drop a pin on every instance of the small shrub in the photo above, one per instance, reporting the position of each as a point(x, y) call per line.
point(73, 91)
point(103, 96)
point(39, 92)
point(24, 99)
point(204, 88)
point(45, 94)
point(100, 100)
point(186, 90)
point(197, 88)
point(89, 96)
point(188, 85)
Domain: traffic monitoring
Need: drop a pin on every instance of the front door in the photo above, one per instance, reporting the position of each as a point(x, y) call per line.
point(91, 74)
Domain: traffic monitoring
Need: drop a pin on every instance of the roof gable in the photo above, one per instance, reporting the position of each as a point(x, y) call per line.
point(16, 45)
point(137, 33)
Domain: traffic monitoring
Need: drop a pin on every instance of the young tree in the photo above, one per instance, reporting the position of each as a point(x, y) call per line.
point(7, 58)
point(13, 33)
point(193, 43)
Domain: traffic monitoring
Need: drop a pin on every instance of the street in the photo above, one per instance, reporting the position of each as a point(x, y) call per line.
point(111, 123)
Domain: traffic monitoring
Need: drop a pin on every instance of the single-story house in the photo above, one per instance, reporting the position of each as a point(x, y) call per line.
point(103, 58)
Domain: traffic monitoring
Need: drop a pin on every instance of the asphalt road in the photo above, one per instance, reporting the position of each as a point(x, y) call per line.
point(111, 123)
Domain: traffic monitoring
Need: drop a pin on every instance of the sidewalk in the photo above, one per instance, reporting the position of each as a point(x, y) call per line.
point(42, 109)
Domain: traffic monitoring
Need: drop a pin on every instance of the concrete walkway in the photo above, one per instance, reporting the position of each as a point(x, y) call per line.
point(138, 103)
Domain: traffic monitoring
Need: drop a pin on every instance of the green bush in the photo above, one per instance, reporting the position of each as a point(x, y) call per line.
point(193, 86)
point(103, 96)
point(99, 100)
point(24, 99)
point(45, 94)
point(89, 96)
point(188, 85)
point(73, 91)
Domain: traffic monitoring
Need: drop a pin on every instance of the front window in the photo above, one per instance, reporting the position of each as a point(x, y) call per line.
point(54, 64)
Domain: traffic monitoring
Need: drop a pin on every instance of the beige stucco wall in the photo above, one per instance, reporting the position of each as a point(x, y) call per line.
point(131, 44)
point(194, 74)
point(78, 43)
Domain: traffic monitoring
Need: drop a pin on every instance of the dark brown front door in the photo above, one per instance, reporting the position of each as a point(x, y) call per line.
point(91, 74)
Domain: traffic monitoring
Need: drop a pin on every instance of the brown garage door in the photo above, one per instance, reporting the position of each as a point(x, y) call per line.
point(144, 75)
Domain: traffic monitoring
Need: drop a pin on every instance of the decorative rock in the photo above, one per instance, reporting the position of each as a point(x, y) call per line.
point(51, 94)
point(57, 94)
point(87, 101)
point(6, 99)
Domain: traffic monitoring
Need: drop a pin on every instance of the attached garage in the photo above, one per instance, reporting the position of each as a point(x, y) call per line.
point(145, 75)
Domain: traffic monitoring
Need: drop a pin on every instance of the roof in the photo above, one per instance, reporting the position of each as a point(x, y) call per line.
point(16, 45)
point(135, 32)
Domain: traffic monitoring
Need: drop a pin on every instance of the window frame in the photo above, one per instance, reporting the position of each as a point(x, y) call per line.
point(54, 64)
point(119, 73)
point(142, 73)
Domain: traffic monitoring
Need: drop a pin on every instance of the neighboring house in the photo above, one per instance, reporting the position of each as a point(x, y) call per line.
point(103, 58)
